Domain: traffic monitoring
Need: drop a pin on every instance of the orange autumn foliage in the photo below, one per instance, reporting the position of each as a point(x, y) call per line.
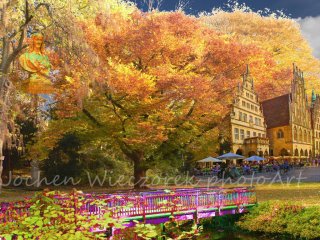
point(165, 70)
point(150, 80)
point(280, 36)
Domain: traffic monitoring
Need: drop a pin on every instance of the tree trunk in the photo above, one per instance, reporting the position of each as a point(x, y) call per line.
point(1, 162)
point(139, 165)
point(139, 173)
point(35, 174)
point(3, 121)
point(4, 102)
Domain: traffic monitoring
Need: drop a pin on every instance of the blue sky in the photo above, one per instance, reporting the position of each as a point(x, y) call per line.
point(306, 12)
point(294, 8)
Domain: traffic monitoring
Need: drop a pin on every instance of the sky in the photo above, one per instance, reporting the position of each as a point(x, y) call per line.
point(306, 12)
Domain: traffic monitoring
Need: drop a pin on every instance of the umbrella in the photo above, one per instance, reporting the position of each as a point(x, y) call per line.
point(255, 158)
point(230, 155)
point(209, 159)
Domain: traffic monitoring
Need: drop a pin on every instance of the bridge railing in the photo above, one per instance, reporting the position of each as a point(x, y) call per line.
point(148, 203)
point(142, 204)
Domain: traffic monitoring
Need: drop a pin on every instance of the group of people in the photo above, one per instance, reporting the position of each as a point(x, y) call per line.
point(247, 168)
point(315, 162)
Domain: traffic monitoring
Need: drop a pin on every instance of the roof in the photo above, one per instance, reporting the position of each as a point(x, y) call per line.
point(276, 111)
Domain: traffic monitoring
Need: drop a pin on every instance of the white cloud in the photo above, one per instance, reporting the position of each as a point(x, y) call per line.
point(310, 27)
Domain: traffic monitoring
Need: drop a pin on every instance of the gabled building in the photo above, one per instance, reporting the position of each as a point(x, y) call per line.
point(315, 122)
point(247, 128)
point(288, 118)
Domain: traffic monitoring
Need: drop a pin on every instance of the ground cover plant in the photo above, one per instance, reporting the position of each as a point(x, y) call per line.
point(283, 218)
point(55, 215)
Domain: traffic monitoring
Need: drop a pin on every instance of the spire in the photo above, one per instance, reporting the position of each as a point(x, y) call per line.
point(247, 80)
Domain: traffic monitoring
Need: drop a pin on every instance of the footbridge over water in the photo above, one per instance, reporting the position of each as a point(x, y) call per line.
point(154, 207)
point(157, 207)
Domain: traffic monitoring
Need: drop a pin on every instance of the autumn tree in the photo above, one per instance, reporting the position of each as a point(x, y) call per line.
point(57, 21)
point(273, 32)
point(155, 83)
point(14, 20)
point(167, 80)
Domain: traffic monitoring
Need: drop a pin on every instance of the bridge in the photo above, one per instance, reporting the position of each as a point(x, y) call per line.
point(154, 207)
point(157, 207)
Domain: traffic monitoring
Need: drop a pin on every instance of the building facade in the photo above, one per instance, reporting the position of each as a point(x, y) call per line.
point(288, 119)
point(282, 126)
point(315, 121)
point(247, 125)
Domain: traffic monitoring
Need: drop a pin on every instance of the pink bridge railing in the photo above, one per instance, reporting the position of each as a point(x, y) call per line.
point(132, 204)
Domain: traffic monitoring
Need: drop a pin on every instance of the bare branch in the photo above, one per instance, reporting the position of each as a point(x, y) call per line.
point(152, 4)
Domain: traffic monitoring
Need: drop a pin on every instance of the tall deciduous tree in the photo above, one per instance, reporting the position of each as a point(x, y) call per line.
point(15, 17)
point(167, 80)
point(57, 20)
point(153, 83)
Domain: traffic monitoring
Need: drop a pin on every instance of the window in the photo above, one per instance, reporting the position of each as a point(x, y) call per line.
point(256, 108)
point(240, 116)
point(251, 119)
point(295, 134)
point(247, 94)
point(300, 135)
point(236, 134)
point(243, 103)
point(254, 134)
point(248, 105)
point(280, 134)
point(248, 134)
point(259, 134)
point(251, 96)
point(252, 107)
point(263, 135)
point(241, 134)
point(256, 121)
point(245, 117)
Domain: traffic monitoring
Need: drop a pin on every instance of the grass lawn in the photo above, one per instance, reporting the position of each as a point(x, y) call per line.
point(305, 193)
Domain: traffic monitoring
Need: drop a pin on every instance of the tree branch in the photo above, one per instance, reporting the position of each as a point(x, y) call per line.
point(91, 117)
point(133, 155)
point(117, 104)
